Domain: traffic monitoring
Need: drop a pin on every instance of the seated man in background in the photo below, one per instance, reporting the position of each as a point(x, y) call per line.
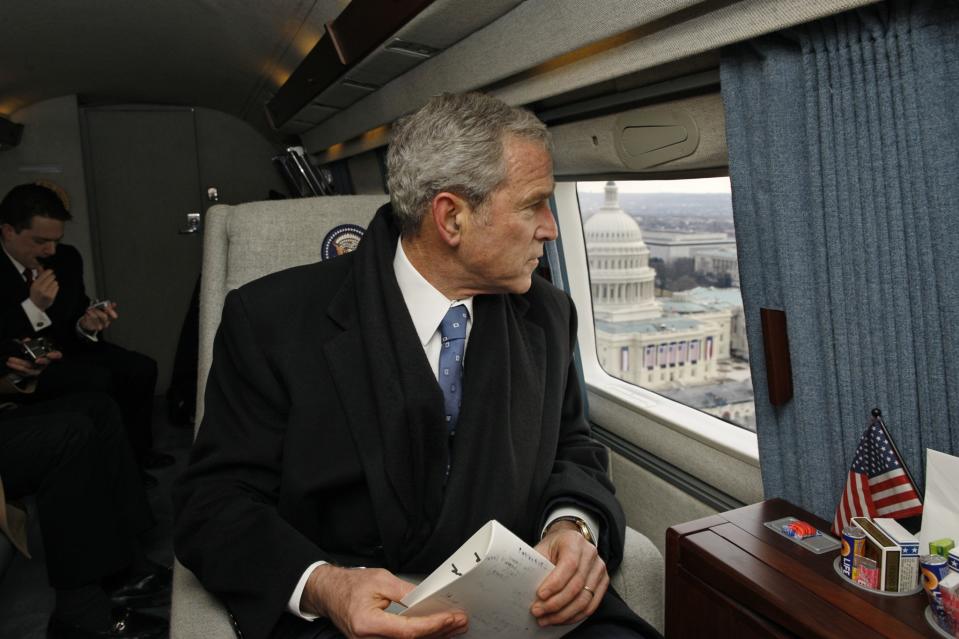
point(72, 455)
point(342, 430)
point(43, 295)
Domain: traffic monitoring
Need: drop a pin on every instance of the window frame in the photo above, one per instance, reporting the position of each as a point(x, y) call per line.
point(659, 424)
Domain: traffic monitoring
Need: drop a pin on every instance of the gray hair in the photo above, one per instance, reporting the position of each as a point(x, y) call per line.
point(454, 143)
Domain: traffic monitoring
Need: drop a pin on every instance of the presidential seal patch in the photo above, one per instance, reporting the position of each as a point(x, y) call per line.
point(342, 239)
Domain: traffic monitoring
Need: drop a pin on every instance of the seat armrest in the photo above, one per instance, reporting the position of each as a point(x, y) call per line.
point(194, 612)
point(639, 580)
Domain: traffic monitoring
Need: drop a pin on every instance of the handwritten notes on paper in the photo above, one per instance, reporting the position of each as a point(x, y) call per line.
point(493, 578)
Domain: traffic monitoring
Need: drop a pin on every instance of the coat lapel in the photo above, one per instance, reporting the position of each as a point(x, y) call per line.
point(388, 394)
point(499, 431)
point(346, 355)
point(504, 381)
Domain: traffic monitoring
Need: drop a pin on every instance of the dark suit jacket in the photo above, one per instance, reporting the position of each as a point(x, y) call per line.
point(307, 452)
point(69, 305)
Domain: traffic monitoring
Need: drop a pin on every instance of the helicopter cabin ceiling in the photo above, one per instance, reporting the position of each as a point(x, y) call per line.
point(229, 55)
point(335, 72)
point(548, 51)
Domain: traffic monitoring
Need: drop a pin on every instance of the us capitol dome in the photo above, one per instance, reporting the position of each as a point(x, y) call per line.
point(622, 281)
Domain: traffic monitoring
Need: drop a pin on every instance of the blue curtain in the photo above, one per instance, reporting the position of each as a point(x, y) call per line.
point(844, 161)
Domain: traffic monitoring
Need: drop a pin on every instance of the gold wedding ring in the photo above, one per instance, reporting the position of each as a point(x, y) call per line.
point(589, 590)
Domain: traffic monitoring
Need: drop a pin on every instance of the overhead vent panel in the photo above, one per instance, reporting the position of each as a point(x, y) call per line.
point(384, 65)
point(655, 136)
point(343, 94)
point(686, 134)
point(352, 36)
point(443, 24)
point(308, 118)
point(375, 51)
point(315, 113)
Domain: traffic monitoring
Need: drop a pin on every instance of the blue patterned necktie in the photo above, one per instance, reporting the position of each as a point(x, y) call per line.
point(450, 377)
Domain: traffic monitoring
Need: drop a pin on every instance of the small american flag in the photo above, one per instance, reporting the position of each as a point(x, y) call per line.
point(878, 484)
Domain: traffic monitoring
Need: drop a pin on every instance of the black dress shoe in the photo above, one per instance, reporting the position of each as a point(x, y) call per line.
point(127, 624)
point(153, 459)
point(148, 591)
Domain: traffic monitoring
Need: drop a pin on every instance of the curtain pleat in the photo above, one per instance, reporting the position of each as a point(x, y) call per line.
point(844, 162)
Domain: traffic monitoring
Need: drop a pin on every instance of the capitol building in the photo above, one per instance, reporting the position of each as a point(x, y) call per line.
point(681, 346)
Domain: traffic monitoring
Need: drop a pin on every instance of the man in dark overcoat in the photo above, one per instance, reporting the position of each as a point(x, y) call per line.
point(42, 294)
point(377, 409)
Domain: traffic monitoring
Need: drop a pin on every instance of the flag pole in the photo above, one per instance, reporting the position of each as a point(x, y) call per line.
point(877, 414)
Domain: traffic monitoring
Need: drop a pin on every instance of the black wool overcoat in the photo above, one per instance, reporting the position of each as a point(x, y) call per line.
point(323, 436)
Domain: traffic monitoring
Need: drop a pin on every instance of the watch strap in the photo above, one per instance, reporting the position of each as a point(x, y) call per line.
point(580, 524)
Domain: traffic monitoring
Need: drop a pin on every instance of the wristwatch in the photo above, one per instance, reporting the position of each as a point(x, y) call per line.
point(583, 527)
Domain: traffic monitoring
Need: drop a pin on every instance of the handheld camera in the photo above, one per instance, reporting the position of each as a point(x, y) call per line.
point(36, 348)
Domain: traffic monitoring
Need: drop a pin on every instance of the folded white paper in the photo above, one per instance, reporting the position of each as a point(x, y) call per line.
point(493, 578)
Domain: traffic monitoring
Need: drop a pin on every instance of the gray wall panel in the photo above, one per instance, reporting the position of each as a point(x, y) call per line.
point(651, 504)
point(235, 158)
point(51, 150)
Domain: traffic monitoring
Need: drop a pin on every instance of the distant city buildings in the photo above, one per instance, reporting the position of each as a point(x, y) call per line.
point(670, 246)
point(679, 345)
point(701, 301)
point(719, 263)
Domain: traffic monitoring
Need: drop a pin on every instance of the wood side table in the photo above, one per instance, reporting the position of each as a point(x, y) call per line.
point(730, 576)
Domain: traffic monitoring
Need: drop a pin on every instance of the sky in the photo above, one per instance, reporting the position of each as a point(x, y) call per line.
point(700, 185)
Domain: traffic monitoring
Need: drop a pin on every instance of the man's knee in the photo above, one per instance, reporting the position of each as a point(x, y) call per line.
point(45, 450)
point(72, 377)
point(102, 412)
point(73, 436)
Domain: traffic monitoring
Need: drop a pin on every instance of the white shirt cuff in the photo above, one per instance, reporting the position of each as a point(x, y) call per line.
point(294, 604)
point(38, 319)
point(572, 511)
point(85, 335)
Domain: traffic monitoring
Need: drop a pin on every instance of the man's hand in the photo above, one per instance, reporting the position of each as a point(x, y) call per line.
point(44, 289)
point(574, 589)
point(355, 601)
point(95, 319)
point(26, 368)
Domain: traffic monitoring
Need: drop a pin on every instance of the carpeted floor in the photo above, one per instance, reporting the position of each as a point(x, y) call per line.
point(25, 598)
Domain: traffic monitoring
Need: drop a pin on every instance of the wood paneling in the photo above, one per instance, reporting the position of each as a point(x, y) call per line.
point(731, 576)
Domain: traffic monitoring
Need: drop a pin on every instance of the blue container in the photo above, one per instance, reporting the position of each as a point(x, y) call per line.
point(934, 569)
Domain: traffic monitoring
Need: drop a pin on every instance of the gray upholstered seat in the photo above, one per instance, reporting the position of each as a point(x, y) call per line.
point(244, 242)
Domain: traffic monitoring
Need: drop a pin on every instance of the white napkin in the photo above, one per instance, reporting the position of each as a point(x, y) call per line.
point(940, 508)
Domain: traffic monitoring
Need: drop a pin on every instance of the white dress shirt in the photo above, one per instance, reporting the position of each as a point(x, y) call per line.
point(427, 307)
